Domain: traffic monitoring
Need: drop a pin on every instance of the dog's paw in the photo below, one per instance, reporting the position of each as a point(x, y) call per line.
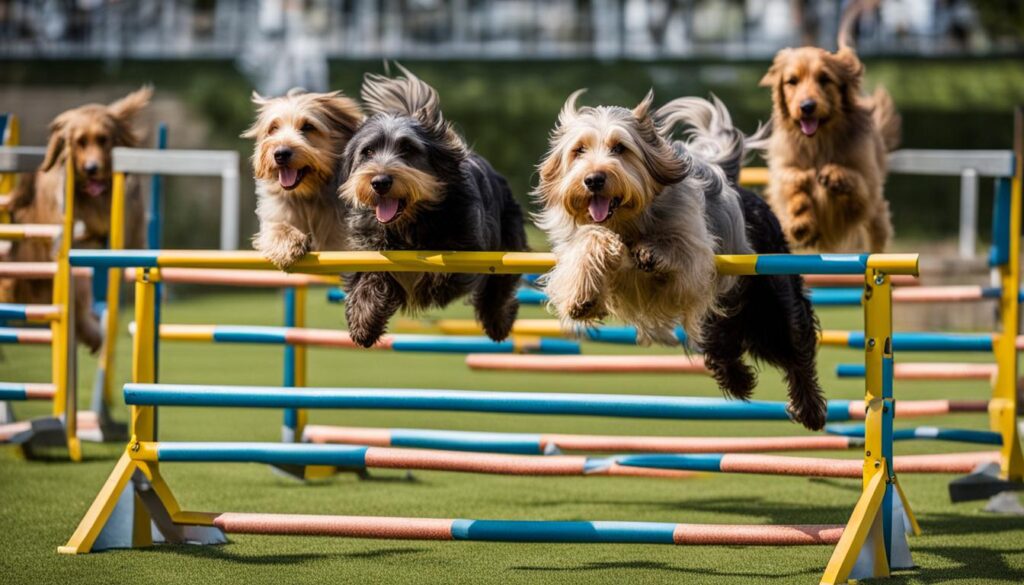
point(803, 232)
point(811, 412)
point(644, 257)
point(835, 179)
point(587, 309)
point(365, 336)
point(498, 326)
point(283, 247)
point(737, 381)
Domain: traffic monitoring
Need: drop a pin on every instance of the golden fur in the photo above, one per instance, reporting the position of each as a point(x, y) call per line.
point(87, 134)
point(307, 215)
point(826, 188)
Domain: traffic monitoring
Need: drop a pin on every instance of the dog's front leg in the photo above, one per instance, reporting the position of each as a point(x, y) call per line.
point(847, 189)
point(373, 297)
point(577, 285)
point(281, 243)
point(648, 257)
point(796, 189)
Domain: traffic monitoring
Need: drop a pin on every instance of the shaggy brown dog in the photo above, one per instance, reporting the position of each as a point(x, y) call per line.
point(827, 151)
point(87, 134)
point(299, 142)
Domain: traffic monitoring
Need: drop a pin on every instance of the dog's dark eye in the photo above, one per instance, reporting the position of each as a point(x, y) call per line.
point(579, 150)
point(791, 81)
point(617, 149)
point(101, 140)
point(824, 80)
point(81, 141)
point(307, 127)
point(273, 128)
point(367, 152)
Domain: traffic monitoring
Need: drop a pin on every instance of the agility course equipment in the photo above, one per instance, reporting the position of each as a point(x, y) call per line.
point(875, 534)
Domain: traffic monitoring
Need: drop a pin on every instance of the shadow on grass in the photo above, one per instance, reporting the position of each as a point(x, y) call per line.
point(972, 564)
point(220, 553)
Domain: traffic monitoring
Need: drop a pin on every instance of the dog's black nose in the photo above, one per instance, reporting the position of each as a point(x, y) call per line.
point(381, 184)
point(92, 167)
point(594, 182)
point(282, 156)
point(807, 106)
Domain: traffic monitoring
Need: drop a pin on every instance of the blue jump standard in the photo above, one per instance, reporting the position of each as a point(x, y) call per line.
point(661, 407)
point(934, 433)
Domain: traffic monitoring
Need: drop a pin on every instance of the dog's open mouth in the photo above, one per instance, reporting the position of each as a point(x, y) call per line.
point(389, 208)
point(95, 187)
point(290, 178)
point(602, 207)
point(809, 125)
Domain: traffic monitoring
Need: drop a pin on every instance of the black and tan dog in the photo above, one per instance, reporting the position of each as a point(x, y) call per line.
point(414, 184)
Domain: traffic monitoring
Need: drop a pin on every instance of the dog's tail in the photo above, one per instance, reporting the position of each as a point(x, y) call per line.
point(711, 134)
point(887, 119)
point(845, 38)
point(405, 94)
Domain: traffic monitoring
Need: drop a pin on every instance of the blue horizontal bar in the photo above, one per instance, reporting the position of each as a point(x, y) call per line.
point(13, 311)
point(552, 345)
point(850, 370)
point(476, 344)
point(560, 531)
point(513, 443)
point(12, 391)
point(812, 264)
point(616, 405)
point(531, 296)
point(836, 297)
point(248, 334)
point(933, 433)
point(114, 259)
point(269, 453)
point(688, 462)
point(927, 341)
point(9, 335)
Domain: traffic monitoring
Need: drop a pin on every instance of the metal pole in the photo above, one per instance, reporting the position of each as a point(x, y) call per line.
point(968, 213)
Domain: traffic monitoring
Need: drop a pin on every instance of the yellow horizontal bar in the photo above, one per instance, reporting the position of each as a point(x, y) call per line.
point(534, 327)
point(394, 261)
point(754, 176)
point(144, 451)
point(736, 264)
point(833, 337)
point(194, 518)
point(177, 332)
point(896, 263)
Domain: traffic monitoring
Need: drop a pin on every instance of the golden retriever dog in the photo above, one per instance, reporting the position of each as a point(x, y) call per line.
point(300, 138)
point(87, 134)
point(827, 151)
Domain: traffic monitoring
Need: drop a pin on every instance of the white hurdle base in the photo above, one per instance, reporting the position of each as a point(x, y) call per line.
point(118, 532)
point(863, 568)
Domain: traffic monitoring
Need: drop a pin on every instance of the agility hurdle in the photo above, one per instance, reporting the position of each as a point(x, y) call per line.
point(875, 534)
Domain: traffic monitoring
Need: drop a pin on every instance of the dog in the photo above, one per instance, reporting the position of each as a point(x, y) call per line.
point(299, 142)
point(88, 135)
point(413, 183)
point(636, 218)
point(827, 151)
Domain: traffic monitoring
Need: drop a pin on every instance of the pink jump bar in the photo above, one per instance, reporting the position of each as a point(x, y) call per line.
point(647, 364)
point(86, 421)
point(526, 531)
point(263, 278)
point(944, 371)
point(29, 231)
point(36, 270)
point(25, 336)
point(607, 443)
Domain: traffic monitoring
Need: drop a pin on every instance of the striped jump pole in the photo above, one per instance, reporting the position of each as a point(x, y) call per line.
point(27, 391)
point(927, 371)
point(246, 278)
point(525, 295)
point(920, 341)
point(849, 297)
point(928, 433)
point(32, 313)
point(36, 270)
point(29, 231)
point(357, 457)
point(594, 364)
point(552, 443)
point(341, 339)
point(25, 336)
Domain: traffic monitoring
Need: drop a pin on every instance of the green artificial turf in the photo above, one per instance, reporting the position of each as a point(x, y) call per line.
point(41, 502)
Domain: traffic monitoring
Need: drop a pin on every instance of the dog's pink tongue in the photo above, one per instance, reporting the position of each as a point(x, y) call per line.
point(387, 209)
point(809, 126)
point(95, 188)
point(287, 176)
point(599, 207)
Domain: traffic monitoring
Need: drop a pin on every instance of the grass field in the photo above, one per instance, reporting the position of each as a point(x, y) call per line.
point(43, 501)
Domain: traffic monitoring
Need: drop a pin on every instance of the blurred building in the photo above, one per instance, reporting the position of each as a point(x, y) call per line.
point(282, 43)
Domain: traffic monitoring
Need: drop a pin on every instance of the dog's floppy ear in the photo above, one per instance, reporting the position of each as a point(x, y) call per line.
point(343, 112)
point(130, 105)
point(774, 73)
point(643, 109)
point(260, 102)
point(58, 137)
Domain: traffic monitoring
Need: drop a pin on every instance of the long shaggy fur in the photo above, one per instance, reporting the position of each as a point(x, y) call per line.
point(88, 135)
point(414, 184)
point(651, 261)
point(826, 186)
point(300, 137)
